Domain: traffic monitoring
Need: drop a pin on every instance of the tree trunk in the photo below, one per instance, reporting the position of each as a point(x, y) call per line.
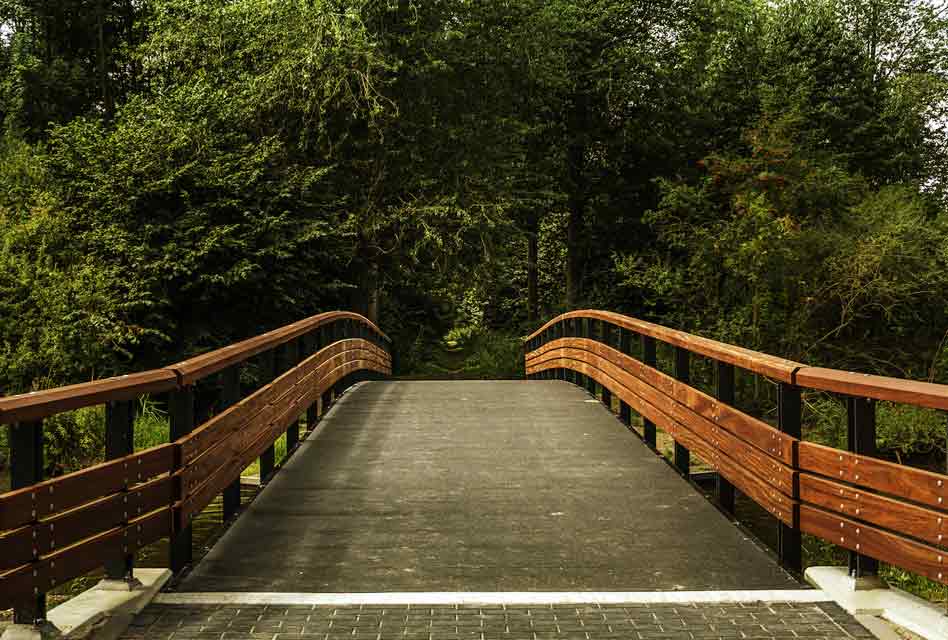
point(372, 291)
point(533, 270)
point(574, 257)
point(365, 297)
point(107, 103)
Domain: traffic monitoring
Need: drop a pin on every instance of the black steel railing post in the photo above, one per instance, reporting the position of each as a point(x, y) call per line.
point(861, 439)
point(120, 442)
point(789, 421)
point(724, 392)
point(650, 359)
point(181, 412)
point(607, 340)
point(267, 458)
point(230, 395)
point(26, 469)
point(592, 333)
point(682, 373)
point(290, 357)
point(561, 333)
point(310, 347)
point(625, 346)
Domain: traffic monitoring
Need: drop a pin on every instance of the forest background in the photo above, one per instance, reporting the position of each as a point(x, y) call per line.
point(178, 175)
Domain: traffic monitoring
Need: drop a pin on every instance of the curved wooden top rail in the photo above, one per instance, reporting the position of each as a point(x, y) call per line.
point(921, 394)
point(207, 364)
point(28, 407)
point(762, 363)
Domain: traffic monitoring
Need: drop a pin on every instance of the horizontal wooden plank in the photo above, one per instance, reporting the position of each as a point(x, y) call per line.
point(207, 478)
point(206, 364)
point(762, 363)
point(903, 518)
point(915, 485)
point(745, 427)
point(49, 497)
point(18, 585)
point(220, 426)
point(26, 544)
point(868, 540)
point(247, 414)
point(31, 407)
point(759, 489)
point(914, 392)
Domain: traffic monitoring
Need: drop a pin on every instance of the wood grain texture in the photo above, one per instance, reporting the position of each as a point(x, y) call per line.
point(914, 392)
point(915, 556)
point(70, 562)
point(207, 364)
point(745, 427)
point(897, 480)
point(762, 363)
point(906, 519)
point(47, 498)
point(650, 402)
point(285, 400)
point(35, 406)
point(28, 543)
point(30, 407)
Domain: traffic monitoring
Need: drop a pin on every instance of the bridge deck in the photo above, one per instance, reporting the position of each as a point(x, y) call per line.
point(479, 486)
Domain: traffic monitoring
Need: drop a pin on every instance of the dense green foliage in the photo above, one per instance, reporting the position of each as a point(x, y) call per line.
point(176, 175)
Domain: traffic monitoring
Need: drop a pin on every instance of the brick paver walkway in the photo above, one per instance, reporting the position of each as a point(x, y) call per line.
point(761, 621)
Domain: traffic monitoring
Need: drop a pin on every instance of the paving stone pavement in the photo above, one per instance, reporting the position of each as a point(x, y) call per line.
point(762, 621)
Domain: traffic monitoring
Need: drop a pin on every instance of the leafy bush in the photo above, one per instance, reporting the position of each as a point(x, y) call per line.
point(74, 440)
point(902, 431)
point(494, 354)
point(152, 426)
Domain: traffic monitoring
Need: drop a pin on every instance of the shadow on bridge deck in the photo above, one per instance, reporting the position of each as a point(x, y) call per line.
point(479, 486)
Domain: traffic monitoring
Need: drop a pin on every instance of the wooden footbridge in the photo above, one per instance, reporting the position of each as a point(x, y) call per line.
point(509, 509)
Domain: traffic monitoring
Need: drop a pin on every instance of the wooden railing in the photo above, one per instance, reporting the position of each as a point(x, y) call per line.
point(57, 529)
point(877, 509)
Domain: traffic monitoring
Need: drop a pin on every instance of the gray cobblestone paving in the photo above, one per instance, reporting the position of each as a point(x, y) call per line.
point(760, 621)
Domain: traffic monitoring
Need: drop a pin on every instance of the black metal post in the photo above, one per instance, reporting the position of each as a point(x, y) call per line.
point(649, 358)
point(607, 339)
point(268, 364)
point(625, 346)
point(230, 395)
point(724, 392)
point(120, 442)
point(861, 439)
point(682, 374)
point(181, 410)
point(26, 469)
point(290, 356)
point(789, 419)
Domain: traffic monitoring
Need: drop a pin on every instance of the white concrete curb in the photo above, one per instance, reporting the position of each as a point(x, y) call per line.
point(897, 606)
point(492, 598)
point(104, 611)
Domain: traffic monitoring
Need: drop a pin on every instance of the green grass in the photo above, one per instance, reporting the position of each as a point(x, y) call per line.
point(152, 426)
point(279, 447)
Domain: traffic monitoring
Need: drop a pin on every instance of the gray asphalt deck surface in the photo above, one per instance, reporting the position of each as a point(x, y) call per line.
point(479, 486)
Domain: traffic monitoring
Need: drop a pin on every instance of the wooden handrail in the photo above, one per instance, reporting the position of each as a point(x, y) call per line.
point(762, 363)
point(914, 392)
point(878, 510)
point(28, 407)
point(52, 530)
point(207, 364)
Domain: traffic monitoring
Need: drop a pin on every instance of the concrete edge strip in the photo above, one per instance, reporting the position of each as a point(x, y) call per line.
point(492, 598)
point(905, 610)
